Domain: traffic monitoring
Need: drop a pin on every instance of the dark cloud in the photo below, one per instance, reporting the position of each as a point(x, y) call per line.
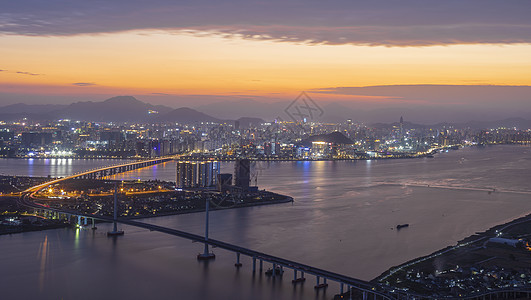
point(28, 73)
point(377, 22)
point(84, 83)
point(472, 96)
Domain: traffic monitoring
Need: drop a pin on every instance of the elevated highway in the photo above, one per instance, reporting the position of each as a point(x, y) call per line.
point(100, 173)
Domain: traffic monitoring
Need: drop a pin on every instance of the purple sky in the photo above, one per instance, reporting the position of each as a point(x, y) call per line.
point(418, 22)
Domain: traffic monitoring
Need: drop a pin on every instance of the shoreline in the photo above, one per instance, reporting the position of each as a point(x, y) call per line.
point(286, 199)
point(17, 229)
point(470, 240)
point(398, 156)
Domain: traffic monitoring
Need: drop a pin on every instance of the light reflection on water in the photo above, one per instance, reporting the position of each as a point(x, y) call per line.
point(43, 257)
point(54, 167)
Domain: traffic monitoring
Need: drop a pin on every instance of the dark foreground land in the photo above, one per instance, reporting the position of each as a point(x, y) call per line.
point(136, 199)
point(497, 259)
point(12, 220)
point(495, 264)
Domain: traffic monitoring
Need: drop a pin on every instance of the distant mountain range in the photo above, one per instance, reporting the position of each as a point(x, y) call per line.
point(116, 109)
point(185, 115)
point(130, 109)
point(519, 123)
point(119, 109)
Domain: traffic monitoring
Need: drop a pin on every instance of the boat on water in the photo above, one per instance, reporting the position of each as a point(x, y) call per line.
point(278, 271)
point(400, 226)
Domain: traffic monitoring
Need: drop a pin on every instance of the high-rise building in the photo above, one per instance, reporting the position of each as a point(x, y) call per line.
point(277, 149)
point(267, 149)
point(242, 173)
point(204, 174)
point(36, 139)
point(223, 180)
point(113, 138)
point(208, 171)
point(181, 180)
point(196, 174)
point(216, 169)
point(191, 173)
point(401, 127)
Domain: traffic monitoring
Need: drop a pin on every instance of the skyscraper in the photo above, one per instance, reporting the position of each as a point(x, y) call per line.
point(267, 149)
point(196, 174)
point(242, 173)
point(401, 127)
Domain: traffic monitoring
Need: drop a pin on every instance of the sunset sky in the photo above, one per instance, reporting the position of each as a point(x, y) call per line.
point(207, 51)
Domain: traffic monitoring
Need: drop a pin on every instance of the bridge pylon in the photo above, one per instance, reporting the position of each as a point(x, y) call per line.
point(206, 255)
point(115, 231)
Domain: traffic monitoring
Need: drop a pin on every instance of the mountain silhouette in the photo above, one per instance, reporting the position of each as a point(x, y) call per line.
point(117, 109)
point(186, 115)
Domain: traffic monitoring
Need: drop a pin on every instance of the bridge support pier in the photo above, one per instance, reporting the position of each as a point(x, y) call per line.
point(254, 264)
point(364, 295)
point(274, 270)
point(341, 287)
point(319, 285)
point(295, 279)
point(261, 265)
point(94, 224)
point(238, 263)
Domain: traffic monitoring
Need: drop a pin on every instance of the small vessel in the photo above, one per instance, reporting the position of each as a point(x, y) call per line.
point(400, 226)
point(278, 271)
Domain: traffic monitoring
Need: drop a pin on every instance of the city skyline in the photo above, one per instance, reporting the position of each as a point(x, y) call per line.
point(376, 55)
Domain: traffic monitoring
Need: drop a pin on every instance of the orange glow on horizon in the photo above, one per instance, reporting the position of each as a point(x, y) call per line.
point(160, 62)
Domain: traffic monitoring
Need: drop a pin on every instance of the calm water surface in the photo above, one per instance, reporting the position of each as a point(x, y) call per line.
point(343, 220)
